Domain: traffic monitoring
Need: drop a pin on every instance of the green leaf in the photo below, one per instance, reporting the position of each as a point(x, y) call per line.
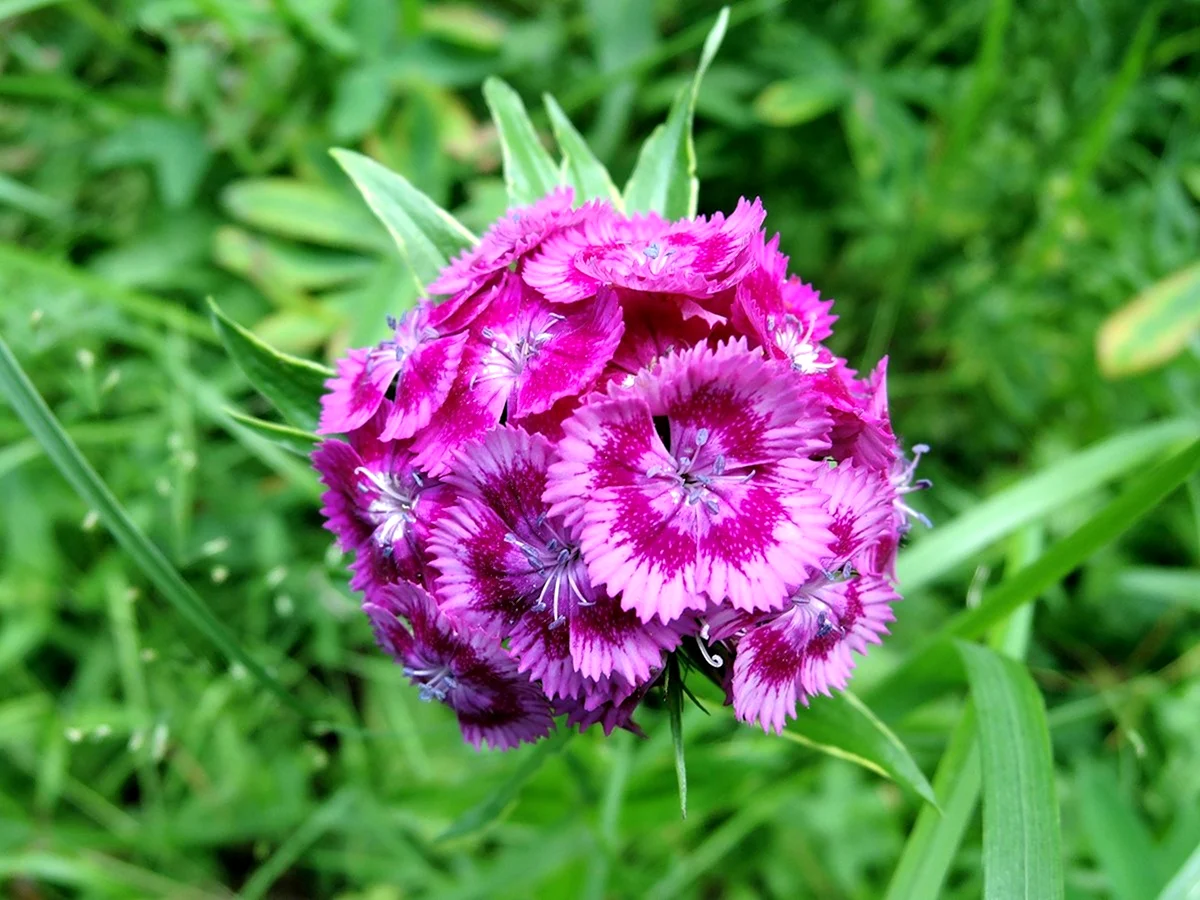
point(1121, 844)
point(1166, 585)
point(1186, 883)
point(499, 800)
point(674, 691)
point(292, 384)
point(799, 100)
point(580, 168)
point(843, 726)
point(307, 212)
point(427, 235)
point(299, 442)
point(946, 546)
point(664, 179)
point(1022, 851)
point(48, 432)
point(529, 170)
point(935, 838)
point(1153, 328)
point(1142, 495)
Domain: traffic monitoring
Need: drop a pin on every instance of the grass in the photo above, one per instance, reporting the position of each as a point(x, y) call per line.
point(979, 184)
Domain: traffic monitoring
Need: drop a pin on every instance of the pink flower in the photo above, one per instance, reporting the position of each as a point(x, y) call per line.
point(419, 359)
point(694, 484)
point(495, 704)
point(511, 568)
point(523, 355)
point(520, 232)
point(695, 257)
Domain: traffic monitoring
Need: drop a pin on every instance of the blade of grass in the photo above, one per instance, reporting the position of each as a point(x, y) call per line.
point(45, 427)
point(948, 545)
point(497, 802)
point(1121, 843)
point(1186, 883)
point(290, 851)
point(1022, 851)
point(580, 167)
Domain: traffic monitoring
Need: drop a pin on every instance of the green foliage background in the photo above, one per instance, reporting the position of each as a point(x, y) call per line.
point(978, 184)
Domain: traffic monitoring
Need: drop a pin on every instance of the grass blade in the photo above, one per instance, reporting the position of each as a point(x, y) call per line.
point(292, 384)
point(934, 841)
point(529, 170)
point(1186, 883)
point(311, 213)
point(299, 442)
point(1022, 852)
point(675, 689)
point(664, 179)
point(938, 552)
point(843, 726)
point(37, 416)
point(1153, 328)
point(580, 168)
point(1143, 494)
point(427, 235)
point(1121, 843)
point(498, 801)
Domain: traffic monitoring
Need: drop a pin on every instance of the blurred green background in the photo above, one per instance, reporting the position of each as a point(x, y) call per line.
point(978, 184)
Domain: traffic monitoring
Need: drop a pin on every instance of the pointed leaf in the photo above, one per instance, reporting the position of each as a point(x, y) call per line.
point(1153, 327)
point(427, 235)
point(292, 384)
point(580, 168)
point(843, 726)
point(294, 439)
point(1121, 842)
point(46, 429)
point(664, 179)
point(529, 170)
point(1022, 849)
point(498, 801)
point(1185, 885)
point(674, 690)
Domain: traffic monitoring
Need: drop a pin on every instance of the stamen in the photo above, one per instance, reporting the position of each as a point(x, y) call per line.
point(701, 437)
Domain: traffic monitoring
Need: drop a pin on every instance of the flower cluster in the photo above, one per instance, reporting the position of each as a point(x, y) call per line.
point(612, 438)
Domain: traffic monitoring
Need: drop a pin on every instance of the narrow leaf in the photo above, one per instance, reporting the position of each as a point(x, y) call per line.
point(294, 385)
point(529, 170)
point(674, 690)
point(32, 409)
point(664, 179)
point(580, 168)
point(946, 546)
point(938, 832)
point(498, 801)
point(843, 726)
point(1153, 327)
point(299, 442)
point(427, 235)
point(1022, 852)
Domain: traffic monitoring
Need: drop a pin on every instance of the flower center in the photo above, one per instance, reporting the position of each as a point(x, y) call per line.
point(392, 508)
point(798, 346)
point(698, 475)
point(509, 353)
point(558, 563)
point(408, 334)
point(435, 681)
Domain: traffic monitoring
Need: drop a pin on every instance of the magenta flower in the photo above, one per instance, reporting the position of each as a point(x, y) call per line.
point(507, 241)
point(719, 505)
point(512, 568)
point(523, 355)
point(419, 359)
point(379, 504)
point(495, 704)
point(695, 257)
point(617, 438)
